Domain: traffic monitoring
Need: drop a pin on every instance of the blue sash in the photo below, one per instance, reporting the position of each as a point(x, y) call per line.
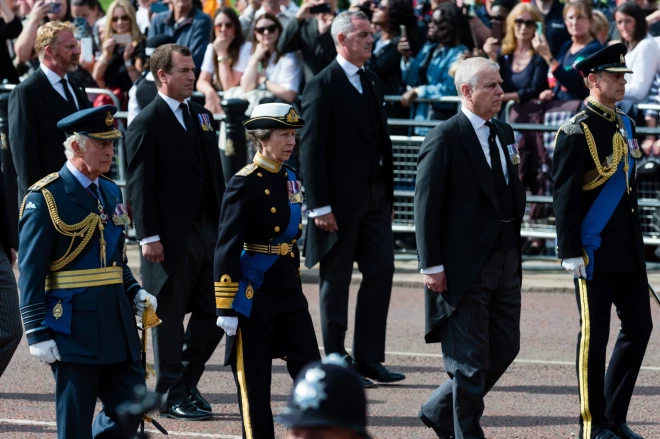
point(603, 208)
point(89, 259)
point(254, 267)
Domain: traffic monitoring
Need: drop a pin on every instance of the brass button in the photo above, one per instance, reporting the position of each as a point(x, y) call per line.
point(260, 174)
point(291, 254)
point(300, 226)
point(273, 210)
point(286, 174)
point(277, 228)
point(293, 241)
point(633, 210)
point(267, 192)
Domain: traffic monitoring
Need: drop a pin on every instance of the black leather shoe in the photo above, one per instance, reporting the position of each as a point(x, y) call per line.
point(198, 400)
point(184, 411)
point(624, 432)
point(377, 372)
point(442, 434)
point(606, 434)
point(366, 384)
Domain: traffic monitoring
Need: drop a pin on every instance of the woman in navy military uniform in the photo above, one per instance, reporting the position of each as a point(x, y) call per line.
point(259, 298)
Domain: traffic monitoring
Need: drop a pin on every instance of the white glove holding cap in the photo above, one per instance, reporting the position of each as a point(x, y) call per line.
point(575, 266)
point(46, 351)
point(141, 299)
point(228, 324)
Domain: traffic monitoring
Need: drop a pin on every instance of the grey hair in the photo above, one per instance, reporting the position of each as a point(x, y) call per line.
point(257, 136)
point(469, 70)
point(80, 139)
point(343, 23)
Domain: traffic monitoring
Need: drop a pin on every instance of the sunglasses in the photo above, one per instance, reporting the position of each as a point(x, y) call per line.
point(262, 30)
point(520, 22)
point(219, 26)
point(122, 18)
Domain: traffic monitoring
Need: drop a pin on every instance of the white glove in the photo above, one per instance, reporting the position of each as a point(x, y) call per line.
point(575, 266)
point(46, 351)
point(229, 324)
point(140, 300)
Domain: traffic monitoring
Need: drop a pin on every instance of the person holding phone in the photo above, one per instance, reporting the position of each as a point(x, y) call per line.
point(10, 28)
point(267, 69)
point(310, 34)
point(225, 60)
point(42, 12)
point(120, 65)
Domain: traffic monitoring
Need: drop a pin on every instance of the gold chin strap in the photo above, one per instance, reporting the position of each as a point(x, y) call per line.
point(84, 230)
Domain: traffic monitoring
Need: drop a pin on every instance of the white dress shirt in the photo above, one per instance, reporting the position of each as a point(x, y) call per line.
point(178, 113)
point(351, 71)
point(483, 131)
point(55, 79)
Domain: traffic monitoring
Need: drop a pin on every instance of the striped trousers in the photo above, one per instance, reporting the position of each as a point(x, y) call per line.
point(605, 396)
point(11, 328)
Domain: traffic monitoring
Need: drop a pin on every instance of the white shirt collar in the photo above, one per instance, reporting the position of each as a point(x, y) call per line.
point(53, 77)
point(348, 67)
point(172, 103)
point(82, 178)
point(476, 121)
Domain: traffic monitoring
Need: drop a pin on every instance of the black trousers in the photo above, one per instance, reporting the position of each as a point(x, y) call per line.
point(365, 237)
point(605, 397)
point(11, 328)
point(279, 326)
point(180, 356)
point(479, 342)
point(76, 388)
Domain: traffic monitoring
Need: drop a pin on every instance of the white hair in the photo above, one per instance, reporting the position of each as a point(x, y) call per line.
point(469, 71)
point(343, 23)
point(78, 138)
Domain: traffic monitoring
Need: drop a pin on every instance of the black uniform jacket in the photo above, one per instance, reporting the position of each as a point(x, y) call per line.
point(165, 182)
point(36, 143)
point(457, 211)
point(622, 246)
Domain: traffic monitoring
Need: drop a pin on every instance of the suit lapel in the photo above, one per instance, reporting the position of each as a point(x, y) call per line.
point(468, 138)
point(54, 101)
point(181, 136)
point(351, 95)
point(516, 185)
point(80, 196)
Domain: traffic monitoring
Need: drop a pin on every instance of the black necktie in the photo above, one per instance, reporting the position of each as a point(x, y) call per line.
point(496, 163)
point(69, 96)
point(364, 82)
point(187, 120)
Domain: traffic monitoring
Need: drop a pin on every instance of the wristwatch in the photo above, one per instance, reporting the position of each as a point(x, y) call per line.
point(221, 59)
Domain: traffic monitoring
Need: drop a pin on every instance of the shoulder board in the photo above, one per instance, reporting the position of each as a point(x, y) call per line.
point(632, 121)
point(107, 178)
point(44, 182)
point(573, 125)
point(247, 170)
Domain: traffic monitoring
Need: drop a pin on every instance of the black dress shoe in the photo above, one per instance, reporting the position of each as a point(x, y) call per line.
point(377, 372)
point(606, 434)
point(366, 384)
point(184, 411)
point(442, 434)
point(624, 432)
point(198, 400)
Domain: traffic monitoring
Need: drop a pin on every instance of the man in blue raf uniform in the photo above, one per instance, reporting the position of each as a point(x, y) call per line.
point(600, 242)
point(78, 296)
point(259, 299)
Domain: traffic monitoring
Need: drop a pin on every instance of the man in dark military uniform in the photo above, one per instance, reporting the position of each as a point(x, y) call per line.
point(78, 296)
point(600, 242)
point(327, 401)
point(259, 298)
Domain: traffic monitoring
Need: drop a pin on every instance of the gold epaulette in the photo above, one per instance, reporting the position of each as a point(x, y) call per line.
point(574, 125)
point(48, 179)
point(247, 170)
point(225, 291)
point(107, 178)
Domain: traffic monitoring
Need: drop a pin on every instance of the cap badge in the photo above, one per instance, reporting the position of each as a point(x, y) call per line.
point(108, 119)
point(291, 116)
point(311, 391)
point(623, 60)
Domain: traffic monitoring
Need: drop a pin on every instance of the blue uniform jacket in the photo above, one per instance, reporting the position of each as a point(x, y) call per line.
point(102, 327)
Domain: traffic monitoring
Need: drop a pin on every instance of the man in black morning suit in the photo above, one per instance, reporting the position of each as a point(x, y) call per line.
point(39, 102)
point(469, 204)
point(346, 158)
point(175, 188)
point(599, 239)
